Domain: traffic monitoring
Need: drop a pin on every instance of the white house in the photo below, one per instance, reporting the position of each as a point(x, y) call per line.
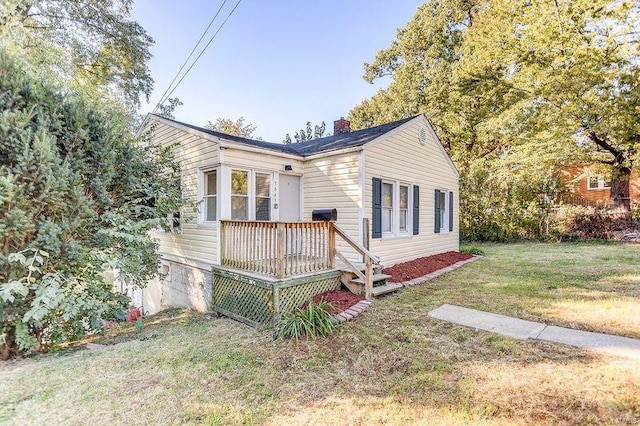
point(394, 188)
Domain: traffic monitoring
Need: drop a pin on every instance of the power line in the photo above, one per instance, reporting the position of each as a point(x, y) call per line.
point(203, 50)
point(190, 54)
point(165, 97)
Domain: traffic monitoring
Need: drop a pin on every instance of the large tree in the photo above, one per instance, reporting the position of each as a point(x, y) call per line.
point(91, 45)
point(537, 82)
point(237, 127)
point(167, 109)
point(423, 63)
point(576, 65)
point(78, 196)
point(307, 134)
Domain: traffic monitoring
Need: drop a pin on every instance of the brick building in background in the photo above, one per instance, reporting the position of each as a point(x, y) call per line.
point(594, 188)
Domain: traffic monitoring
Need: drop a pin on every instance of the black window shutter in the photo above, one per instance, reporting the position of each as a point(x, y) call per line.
point(416, 209)
point(450, 211)
point(436, 227)
point(376, 216)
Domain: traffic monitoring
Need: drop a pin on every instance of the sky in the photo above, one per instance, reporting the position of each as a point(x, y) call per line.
point(276, 63)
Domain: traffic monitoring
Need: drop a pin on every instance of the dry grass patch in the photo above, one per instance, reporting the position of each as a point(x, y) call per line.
point(603, 391)
point(190, 362)
point(392, 365)
point(608, 315)
point(338, 410)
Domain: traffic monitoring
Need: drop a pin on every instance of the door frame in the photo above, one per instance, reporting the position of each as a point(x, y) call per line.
point(300, 192)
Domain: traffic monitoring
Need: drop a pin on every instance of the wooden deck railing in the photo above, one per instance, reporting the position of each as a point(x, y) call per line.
point(285, 249)
point(280, 249)
point(369, 260)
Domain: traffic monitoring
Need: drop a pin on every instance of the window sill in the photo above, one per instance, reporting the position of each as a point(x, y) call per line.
point(402, 236)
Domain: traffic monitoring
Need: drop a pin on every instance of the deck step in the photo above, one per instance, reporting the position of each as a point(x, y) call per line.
point(377, 268)
point(387, 288)
point(376, 278)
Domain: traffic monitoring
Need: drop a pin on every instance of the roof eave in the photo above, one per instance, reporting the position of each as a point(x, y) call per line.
point(225, 143)
point(143, 125)
point(248, 148)
point(334, 152)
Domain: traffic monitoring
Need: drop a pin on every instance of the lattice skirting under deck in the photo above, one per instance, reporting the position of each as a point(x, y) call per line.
point(261, 302)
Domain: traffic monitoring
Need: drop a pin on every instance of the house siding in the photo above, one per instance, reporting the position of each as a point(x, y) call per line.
point(400, 156)
point(259, 161)
point(192, 153)
point(340, 180)
point(187, 256)
point(333, 182)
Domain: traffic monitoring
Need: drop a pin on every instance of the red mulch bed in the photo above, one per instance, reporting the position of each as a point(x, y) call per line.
point(343, 300)
point(340, 300)
point(423, 266)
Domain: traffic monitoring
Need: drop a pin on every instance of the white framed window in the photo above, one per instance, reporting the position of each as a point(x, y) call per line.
point(442, 208)
point(210, 196)
point(262, 191)
point(394, 211)
point(598, 182)
point(236, 194)
point(443, 211)
point(404, 208)
point(387, 207)
point(239, 194)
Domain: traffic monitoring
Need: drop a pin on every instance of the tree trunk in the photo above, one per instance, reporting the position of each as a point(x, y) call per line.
point(619, 198)
point(8, 346)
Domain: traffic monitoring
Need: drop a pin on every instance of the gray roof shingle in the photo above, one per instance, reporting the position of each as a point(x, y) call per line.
point(314, 146)
point(346, 140)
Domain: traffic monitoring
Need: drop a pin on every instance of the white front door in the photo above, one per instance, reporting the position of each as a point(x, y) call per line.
point(289, 198)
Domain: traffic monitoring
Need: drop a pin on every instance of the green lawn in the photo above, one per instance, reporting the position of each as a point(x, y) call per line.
point(391, 365)
point(594, 287)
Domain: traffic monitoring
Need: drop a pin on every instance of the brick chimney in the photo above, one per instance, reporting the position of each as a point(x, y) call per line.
point(341, 126)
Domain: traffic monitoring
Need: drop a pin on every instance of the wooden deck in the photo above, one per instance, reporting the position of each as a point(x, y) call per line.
point(281, 250)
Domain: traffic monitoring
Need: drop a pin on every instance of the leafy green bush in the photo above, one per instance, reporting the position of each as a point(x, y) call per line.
point(78, 196)
point(472, 250)
point(635, 211)
point(314, 320)
point(494, 207)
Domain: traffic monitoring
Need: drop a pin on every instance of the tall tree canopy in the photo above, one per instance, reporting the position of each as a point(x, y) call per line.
point(170, 105)
point(537, 82)
point(307, 134)
point(78, 196)
point(91, 45)
point(237, 127)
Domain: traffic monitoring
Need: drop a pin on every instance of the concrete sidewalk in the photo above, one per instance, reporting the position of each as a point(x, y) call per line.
point(521, 329)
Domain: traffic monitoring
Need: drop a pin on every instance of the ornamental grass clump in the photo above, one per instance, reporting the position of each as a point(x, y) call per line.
point(313, 320)
point(475, 251)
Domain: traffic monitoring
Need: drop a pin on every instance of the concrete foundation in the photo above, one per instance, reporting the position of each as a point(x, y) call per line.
point(180, 286)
